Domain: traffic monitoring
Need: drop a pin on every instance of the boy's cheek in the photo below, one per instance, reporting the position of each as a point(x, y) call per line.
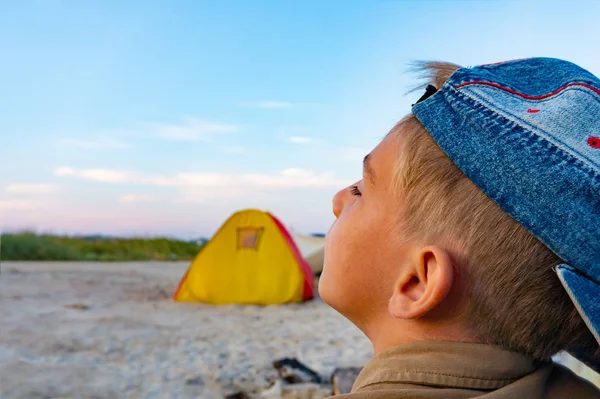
point(342, 279)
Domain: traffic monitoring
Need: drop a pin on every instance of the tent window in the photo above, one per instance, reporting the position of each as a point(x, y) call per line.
point(248, 237)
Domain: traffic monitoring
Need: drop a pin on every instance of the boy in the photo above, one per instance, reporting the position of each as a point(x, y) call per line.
point(469, 253)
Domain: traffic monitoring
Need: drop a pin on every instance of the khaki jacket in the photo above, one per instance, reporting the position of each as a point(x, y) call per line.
point(424, 370)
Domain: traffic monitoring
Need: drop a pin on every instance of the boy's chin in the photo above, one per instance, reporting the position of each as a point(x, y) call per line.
point(340, 298)
point(330, 294)
point(325, 289)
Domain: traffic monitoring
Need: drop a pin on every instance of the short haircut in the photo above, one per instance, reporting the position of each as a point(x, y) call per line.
point(514, 297)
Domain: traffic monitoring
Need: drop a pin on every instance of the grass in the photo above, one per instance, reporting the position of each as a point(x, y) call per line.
point(32, 246)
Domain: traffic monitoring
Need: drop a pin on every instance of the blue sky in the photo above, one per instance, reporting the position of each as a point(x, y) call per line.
point(163, 118)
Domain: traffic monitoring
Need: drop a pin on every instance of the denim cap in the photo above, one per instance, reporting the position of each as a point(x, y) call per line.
point(527, 133)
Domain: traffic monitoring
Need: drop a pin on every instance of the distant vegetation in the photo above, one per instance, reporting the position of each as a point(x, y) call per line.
point(32, 246)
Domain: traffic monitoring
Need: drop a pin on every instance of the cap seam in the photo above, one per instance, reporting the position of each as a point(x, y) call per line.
point(583, 166)
point(568, 150)
point(561, 89)
point(531, 128)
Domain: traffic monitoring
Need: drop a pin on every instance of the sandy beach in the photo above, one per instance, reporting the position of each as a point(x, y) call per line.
point(110, 330)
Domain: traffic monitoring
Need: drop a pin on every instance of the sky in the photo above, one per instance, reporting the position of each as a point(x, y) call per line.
point(156, 118)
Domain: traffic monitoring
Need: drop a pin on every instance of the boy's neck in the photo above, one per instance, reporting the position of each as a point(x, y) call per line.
point(398, 332)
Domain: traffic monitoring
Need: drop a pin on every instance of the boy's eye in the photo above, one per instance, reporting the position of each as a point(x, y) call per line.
point(354, 191)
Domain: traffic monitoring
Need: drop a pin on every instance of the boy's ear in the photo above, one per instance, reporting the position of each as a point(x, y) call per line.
point(423, 284)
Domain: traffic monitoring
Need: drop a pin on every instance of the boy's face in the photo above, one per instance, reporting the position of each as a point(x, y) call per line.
point(362, 250)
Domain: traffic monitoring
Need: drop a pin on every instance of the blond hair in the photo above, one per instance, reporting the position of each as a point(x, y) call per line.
point(515, 300)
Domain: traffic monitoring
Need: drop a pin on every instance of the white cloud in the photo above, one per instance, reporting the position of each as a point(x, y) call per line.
point(94, 143)
point(269, 104)
point(18, 205)
point(64, 171)
point(300, 140)
point(26, 188)
point(288, 178)
point(203, 195)
point(292, 178)
point(128, 198)
point(190, 180)
point(101, 175)
point(192, 129)
point(299, 173)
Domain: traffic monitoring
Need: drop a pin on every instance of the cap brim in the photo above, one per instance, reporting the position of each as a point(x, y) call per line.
point(585, 294)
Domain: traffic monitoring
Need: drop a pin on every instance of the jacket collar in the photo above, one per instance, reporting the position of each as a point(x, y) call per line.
point(446, 364)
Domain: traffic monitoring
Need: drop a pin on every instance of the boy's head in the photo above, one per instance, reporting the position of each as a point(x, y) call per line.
point(419, 251)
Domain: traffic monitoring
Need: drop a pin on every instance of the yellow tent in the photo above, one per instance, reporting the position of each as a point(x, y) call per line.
point(252, 259)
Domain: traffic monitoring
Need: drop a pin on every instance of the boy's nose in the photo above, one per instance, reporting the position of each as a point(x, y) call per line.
point(338, 203)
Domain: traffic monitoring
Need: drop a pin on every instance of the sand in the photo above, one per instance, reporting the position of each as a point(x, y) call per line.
point(110, 330)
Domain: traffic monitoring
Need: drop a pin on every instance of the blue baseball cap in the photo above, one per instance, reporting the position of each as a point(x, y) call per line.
point(527, 133)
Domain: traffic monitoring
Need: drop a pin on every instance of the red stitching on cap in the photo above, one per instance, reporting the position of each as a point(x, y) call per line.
point(594, 142)
point(496, 85)
point(533, 111)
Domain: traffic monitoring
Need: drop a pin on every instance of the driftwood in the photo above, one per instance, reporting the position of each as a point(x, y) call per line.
point(238, 395)
point(293, 371)
point(342, 379)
